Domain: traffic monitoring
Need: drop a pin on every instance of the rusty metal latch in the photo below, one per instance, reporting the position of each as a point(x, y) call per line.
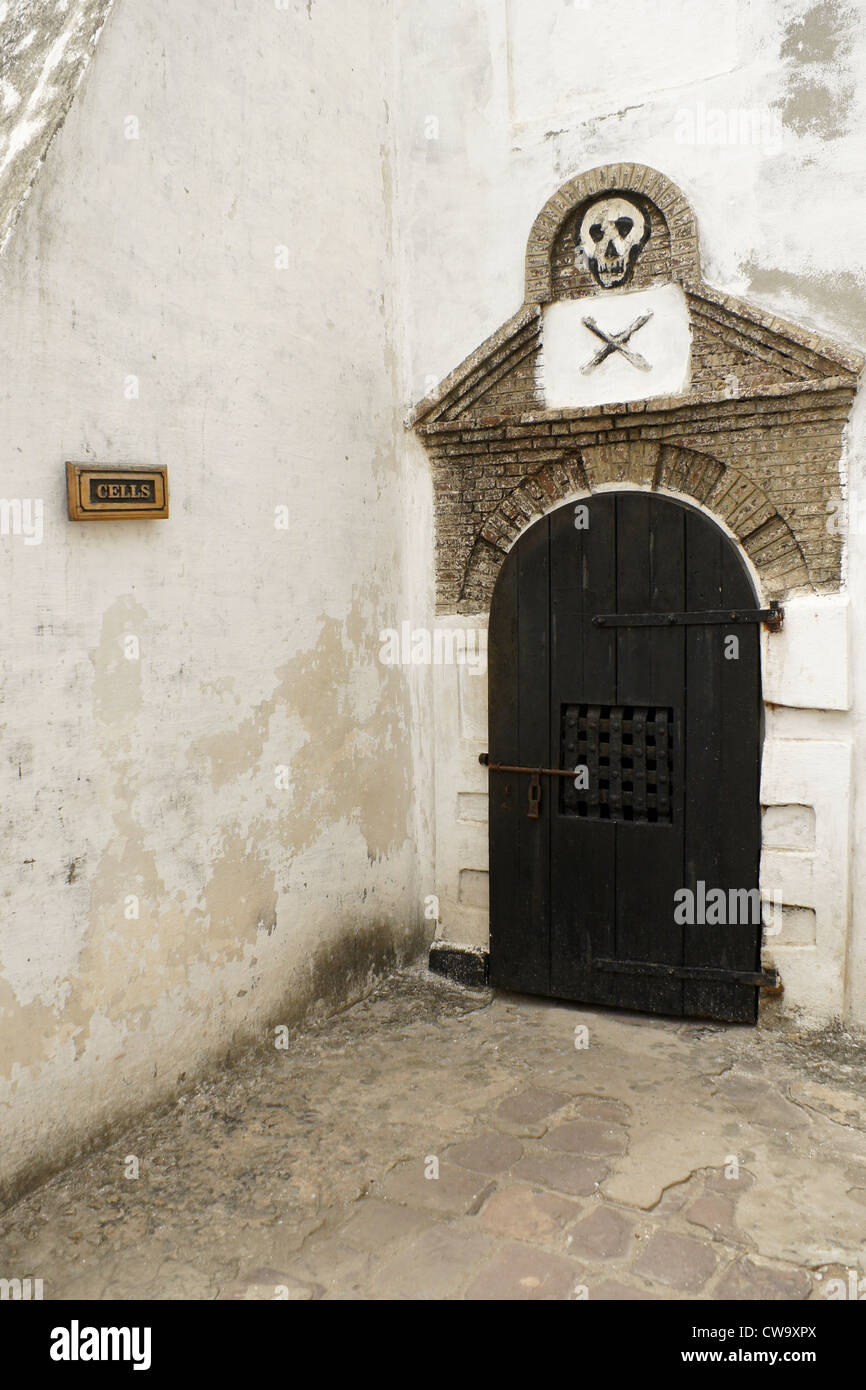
point(535, 776)
point(771, 617)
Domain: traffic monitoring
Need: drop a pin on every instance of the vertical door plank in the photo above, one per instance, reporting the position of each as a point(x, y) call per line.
point(704, 863)
point(723, 846)
point(503, 790)
point(582, 671)
point(651, 672)
point(520, 950)
point(723, 813)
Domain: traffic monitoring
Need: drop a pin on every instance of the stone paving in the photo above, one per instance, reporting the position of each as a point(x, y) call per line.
point(436, 1143)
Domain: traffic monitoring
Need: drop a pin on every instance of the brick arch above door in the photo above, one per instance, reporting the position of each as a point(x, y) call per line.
point(732, 498)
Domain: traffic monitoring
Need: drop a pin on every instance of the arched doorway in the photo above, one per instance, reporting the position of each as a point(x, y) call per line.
point(632, 880)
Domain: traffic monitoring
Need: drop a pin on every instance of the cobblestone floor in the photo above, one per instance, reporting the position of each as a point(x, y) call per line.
point(662, 1160)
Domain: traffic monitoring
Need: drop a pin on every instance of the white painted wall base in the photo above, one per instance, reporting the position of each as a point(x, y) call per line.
point(460, 703)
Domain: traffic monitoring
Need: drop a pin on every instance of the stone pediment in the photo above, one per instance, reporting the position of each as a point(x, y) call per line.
point(623, 366)
point(736, 351)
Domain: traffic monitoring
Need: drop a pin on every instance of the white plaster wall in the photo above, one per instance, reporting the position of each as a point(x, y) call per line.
point(460, 699)
point(402, 167)
point(808, 875)
point(807, 796)
point(490, 126)
point(755, 109)
point(156, 258)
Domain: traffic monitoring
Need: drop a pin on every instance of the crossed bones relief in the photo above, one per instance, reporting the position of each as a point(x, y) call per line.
point(616, 342)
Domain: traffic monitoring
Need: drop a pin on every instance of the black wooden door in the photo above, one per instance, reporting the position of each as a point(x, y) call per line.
point(590, 886)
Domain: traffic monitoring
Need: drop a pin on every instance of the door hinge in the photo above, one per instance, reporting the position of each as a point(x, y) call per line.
point(771, 617)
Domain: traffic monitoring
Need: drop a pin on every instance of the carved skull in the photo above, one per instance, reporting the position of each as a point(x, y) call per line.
point(612, 233)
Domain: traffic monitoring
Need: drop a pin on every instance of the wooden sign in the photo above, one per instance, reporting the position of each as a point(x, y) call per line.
point(104, 492)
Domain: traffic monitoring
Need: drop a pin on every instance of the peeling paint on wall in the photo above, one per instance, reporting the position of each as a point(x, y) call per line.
point(838, 294)
point(44, 51)
point(816, 54)
point(167, 894)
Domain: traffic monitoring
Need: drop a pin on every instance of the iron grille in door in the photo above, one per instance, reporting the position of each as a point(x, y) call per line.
point(628, 753)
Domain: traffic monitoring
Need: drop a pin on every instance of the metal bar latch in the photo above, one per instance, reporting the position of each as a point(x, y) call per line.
point(535, 776)
point(484, 759)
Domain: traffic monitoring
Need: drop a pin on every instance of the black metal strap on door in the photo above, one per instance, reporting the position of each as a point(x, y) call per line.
point(768, 978)
point(771, 617)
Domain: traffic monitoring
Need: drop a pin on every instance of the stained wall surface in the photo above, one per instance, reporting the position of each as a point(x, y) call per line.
point(259, 235)
point(210, 807)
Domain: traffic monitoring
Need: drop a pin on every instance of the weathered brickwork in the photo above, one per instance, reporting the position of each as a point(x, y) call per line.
point(756, 439)
point(672, 255)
